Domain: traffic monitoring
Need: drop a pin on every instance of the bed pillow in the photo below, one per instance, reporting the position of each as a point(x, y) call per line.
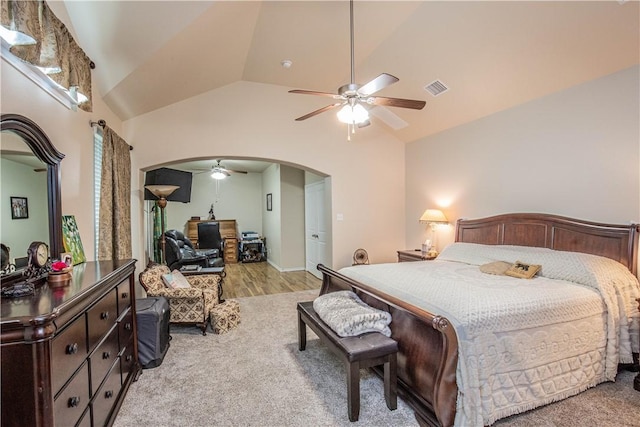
point(175, 280)
point(348, 315)
point(498, 268)
point(523, 270)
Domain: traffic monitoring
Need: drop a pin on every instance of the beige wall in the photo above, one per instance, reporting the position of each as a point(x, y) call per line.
point(257, 121)
point(71, 134)
point(574, 153)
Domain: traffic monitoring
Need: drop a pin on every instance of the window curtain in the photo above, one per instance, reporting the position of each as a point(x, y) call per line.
point(114, 238)
point(44, 41)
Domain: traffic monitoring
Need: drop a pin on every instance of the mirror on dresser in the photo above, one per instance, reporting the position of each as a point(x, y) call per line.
point(30, 180)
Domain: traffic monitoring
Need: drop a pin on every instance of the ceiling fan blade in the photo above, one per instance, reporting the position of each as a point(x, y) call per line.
point(396, 102)
point(234, 171)
point(313, 92)
point(388, 117)
point(321, 110)
point(379, 83)
point(364, 124)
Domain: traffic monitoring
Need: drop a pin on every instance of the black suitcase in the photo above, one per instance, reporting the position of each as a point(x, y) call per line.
point(152, 315)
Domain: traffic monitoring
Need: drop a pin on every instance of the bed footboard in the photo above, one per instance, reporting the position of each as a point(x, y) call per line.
point(427, 351)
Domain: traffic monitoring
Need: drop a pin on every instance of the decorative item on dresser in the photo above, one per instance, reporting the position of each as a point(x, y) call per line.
point(69, 354)
point(414, 255)
point(228, 233)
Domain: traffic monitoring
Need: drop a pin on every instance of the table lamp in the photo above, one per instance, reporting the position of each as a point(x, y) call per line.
point(162, 192)
point(433, 217)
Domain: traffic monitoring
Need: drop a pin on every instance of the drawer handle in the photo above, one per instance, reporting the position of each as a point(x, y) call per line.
point(108, 394)
point(72, 348)
point(128, 358)
point(127, 326)
point(106, 355)
point(104, 315)
point(73, 401)
point(125, 295)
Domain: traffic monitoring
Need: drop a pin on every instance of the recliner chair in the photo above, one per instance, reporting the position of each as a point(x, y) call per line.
point(180, 252)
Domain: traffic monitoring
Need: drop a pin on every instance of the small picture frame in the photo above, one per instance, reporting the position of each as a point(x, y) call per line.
point(19, 208)
point(269, 202)
point(67, 258)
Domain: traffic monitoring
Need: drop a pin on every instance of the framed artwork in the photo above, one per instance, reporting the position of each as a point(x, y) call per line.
point(67, 258)
point(71, 239)
point(19, 208)
point(269, 202)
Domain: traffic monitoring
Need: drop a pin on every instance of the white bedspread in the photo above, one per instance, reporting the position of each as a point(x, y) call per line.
point(522, 343)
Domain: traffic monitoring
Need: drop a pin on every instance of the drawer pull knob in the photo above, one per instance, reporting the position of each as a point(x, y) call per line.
point(106, 355)
point(72, 348)
point(125, 295)
point(128, 358)
point(108, 394)
point(104, 315)
point(74, 401)
point(127, 326)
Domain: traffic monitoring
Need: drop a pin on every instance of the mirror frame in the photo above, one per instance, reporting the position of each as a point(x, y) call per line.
point(44, 150)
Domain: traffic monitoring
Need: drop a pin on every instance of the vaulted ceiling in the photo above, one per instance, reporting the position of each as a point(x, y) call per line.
point(492, 55)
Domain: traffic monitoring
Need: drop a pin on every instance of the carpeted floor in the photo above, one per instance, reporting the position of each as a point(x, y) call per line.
point(255, 376)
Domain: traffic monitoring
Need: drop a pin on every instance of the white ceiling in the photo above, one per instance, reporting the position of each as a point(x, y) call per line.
point(492, 54)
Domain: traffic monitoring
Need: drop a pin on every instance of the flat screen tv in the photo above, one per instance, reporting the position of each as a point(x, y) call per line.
point(166, 176)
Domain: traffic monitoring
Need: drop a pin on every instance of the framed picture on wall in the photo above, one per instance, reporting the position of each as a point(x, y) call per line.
point(19, 208)
point(269, 202)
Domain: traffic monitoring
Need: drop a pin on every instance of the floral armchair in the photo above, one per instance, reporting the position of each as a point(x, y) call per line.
point(187, 305)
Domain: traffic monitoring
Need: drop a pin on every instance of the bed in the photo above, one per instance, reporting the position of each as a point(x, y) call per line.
point(458, 364)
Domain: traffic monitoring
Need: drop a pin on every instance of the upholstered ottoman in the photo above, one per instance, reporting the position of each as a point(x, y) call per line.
point(225, 316)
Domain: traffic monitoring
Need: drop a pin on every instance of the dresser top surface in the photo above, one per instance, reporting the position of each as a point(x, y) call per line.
point(48, 301)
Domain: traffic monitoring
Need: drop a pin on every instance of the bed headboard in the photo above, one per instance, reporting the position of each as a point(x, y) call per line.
point(618, 242)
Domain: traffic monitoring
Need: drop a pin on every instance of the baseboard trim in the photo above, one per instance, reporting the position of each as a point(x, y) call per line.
point(284, 270)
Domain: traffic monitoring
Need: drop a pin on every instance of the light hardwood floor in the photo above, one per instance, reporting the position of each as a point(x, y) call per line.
point(260, 278)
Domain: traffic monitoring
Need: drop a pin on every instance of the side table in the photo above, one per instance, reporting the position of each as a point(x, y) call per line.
point(209, 270)
point(413, 255)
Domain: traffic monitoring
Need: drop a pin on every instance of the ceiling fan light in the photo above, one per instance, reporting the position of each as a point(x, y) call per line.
point(218, 174)
point(355, 114)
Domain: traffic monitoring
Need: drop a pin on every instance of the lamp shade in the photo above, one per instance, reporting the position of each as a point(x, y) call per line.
point(433, 216)
point(162, 191)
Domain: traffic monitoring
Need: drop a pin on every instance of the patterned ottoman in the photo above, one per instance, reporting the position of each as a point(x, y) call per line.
point(225, 316)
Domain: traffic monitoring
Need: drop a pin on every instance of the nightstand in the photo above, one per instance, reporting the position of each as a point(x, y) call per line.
point(413, 255)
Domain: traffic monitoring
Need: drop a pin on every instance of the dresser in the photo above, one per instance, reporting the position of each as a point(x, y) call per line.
point(69, 354)
point(227, 232)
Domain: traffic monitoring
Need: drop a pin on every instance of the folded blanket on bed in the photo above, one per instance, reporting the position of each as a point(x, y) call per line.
point(349, 316)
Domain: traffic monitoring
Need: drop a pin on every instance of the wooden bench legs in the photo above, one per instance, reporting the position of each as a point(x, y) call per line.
point(354, 361)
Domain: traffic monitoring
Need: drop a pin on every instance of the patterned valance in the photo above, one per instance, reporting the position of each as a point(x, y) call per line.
point(38, 37)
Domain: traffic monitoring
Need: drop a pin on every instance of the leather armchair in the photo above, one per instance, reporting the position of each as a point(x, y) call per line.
point(180, 252)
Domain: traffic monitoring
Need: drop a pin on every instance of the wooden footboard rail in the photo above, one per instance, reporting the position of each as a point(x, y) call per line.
point(427, 350)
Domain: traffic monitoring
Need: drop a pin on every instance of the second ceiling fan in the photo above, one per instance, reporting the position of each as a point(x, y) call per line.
point(352, 97)
point(220, 172)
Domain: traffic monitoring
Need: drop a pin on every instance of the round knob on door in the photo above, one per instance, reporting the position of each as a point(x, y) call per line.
point(72, 348)
point(73, 401)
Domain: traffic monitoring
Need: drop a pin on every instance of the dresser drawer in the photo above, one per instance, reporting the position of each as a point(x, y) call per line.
point(101, 317)
point(102, 358)
point(68, 351)
point(124, 297)
point(72, 401)
point(106, 396)
point(127, 361)
point(125, 329)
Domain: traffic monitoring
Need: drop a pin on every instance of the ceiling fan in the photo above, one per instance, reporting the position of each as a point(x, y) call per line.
point(220, 172)
point(352, 97)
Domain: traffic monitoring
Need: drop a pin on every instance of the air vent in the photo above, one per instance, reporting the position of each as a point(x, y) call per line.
point(436, 87)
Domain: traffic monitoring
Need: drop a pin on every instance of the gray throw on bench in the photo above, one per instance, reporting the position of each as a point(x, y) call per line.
point(348, 315)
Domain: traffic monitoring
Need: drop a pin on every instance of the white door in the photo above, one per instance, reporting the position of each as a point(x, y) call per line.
point(315, 227)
